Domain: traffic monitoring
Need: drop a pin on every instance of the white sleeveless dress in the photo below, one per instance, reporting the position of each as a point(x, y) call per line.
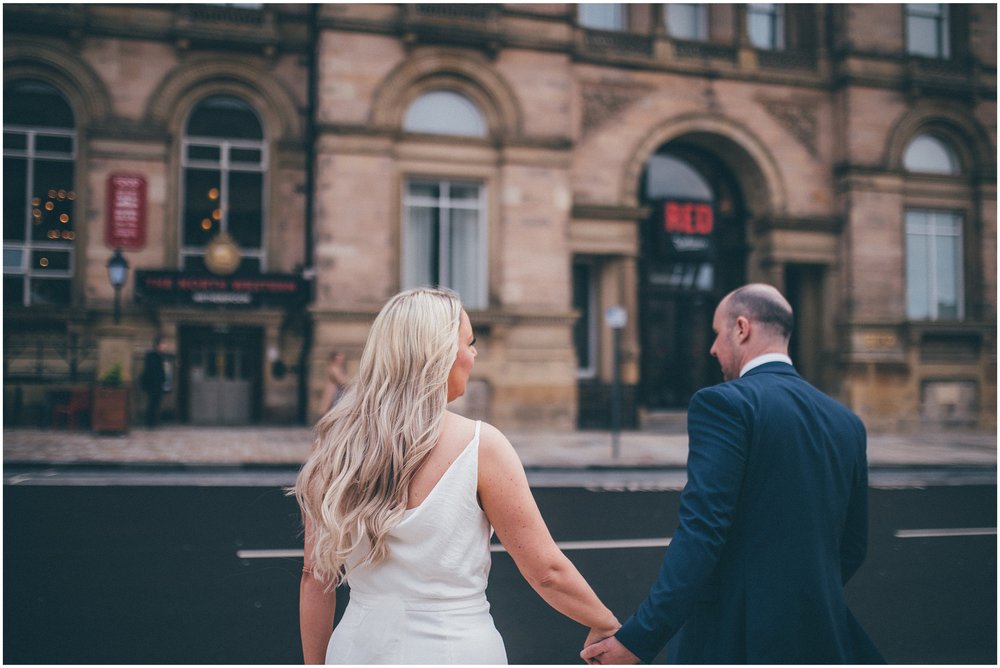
point(426, 602)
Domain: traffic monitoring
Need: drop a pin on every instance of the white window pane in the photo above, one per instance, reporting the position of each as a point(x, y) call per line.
point(929, 154)
point(421, 247)
point(917, 293)
point(946, 264)
point(464, 255)
point(687, 21)
point(466, 193)
point(602, 16)
point(445, 112)
point(925, 9)
point(921, 37)
point(423, 189)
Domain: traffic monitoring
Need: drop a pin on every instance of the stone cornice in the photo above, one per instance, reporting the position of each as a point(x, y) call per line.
point(805, 224)
point(609, 212)
point(481, 318)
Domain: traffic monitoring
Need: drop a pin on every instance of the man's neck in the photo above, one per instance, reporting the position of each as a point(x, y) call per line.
point(765, 358)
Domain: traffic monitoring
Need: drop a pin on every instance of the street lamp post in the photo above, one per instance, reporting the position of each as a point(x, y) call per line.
point(117, 274)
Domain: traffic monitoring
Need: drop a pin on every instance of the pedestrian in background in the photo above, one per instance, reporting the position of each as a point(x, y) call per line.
point(400, 497)
point(336, 380)
point(773, 519)
point(152, 380)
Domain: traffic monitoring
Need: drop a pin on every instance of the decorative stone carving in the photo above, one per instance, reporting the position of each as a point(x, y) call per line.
point(604, 100)
point(799, 118)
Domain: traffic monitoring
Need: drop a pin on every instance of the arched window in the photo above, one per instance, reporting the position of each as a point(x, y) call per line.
point(930, 155)
point(223, 163)
point(444, 220)
point(667, 176)
point(934, 245)
point(39, 149)
point(445, 112)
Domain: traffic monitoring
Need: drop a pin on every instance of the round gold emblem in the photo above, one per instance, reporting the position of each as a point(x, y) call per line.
point(222, 255)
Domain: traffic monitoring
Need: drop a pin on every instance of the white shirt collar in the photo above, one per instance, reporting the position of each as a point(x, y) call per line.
point(764, 359)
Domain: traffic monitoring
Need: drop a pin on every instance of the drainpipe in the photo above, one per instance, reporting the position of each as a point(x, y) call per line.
point(309, 270)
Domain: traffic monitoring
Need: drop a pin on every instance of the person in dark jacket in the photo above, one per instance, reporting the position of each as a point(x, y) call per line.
point(152, 380)
point(773, 519)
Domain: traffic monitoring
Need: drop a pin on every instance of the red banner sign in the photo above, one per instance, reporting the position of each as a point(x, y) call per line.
point(126, 222)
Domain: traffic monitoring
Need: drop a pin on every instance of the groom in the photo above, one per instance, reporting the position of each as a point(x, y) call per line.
point(774, 517)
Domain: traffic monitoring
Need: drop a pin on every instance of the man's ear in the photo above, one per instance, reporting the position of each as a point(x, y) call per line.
point(742, 328)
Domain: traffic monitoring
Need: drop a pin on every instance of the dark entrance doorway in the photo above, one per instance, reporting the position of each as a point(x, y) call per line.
point(693, 253)
point(220, 374)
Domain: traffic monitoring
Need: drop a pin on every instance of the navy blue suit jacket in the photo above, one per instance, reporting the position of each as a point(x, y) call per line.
point(773, 522)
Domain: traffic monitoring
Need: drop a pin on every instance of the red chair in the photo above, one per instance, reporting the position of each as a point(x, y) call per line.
point(78, 404)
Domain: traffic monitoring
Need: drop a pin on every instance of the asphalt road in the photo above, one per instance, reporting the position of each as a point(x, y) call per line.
point(126, 569)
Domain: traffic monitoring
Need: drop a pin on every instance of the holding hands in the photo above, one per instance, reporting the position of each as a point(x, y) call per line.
point(606, 650)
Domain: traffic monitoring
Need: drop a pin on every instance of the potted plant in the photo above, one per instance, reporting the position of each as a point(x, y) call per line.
point(109, 406)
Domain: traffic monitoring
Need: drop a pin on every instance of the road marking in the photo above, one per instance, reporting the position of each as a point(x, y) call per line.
point(269, 554)
point(945, 533)
point(629, 543)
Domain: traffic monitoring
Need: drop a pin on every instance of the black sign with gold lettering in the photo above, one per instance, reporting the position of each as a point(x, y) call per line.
point(181, 288)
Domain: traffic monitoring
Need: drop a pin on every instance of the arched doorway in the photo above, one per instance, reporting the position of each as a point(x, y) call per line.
point(693, 253)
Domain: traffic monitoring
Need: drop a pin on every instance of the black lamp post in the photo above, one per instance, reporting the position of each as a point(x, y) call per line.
point(117, 274)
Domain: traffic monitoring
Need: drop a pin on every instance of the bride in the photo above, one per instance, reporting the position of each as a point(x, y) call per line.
point(399, 497)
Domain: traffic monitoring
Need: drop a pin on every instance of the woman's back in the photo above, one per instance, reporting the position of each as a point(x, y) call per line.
point(426, 601)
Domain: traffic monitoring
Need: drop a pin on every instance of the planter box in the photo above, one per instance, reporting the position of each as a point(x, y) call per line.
point(109, 410)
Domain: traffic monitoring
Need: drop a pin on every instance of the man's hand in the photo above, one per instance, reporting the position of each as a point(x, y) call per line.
point(608, 651)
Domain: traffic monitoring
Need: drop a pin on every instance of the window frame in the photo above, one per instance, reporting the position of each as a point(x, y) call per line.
point(443, 205)
point(620, 19)
point(942, 29)
point(26, 248)
point(933, 233)
point(225, 165)
point(700, 14)
point(777, 22)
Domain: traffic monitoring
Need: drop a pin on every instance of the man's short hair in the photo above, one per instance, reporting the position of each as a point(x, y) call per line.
point(761, 304)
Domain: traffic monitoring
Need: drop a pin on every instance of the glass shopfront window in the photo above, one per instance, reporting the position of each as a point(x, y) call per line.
point(224, 160)
point(39, 216)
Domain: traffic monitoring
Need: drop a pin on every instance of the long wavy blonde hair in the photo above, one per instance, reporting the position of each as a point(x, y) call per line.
point(353, 488)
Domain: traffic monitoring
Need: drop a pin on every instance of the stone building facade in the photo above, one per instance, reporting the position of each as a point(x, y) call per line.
point(548, 161)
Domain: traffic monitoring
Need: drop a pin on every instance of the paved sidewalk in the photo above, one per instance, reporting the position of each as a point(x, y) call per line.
point(540, 450)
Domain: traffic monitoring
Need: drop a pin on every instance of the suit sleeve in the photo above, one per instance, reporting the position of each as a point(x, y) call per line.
point(718, 439)
point(854, 541)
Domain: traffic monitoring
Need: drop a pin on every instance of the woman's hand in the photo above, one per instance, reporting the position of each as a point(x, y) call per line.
point(599, 633)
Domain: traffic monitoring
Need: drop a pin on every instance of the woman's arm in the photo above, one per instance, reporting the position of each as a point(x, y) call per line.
point(316, 610)
point(511, 509)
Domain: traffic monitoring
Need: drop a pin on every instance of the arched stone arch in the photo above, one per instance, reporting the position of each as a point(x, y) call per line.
point(752, 163)
point(86, 92)
point(971, 143)
point(450, 69)
point(196, 79)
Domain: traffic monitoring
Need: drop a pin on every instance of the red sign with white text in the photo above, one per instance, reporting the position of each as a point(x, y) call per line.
point(126, 222)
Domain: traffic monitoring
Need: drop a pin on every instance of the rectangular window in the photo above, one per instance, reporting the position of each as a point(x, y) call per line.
point(444, 238)
point(223, 192)
point(39, 215)
point(687, 21)
point(934, 285)
point(602, 15)
point(927, 30)
point(766, 26)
